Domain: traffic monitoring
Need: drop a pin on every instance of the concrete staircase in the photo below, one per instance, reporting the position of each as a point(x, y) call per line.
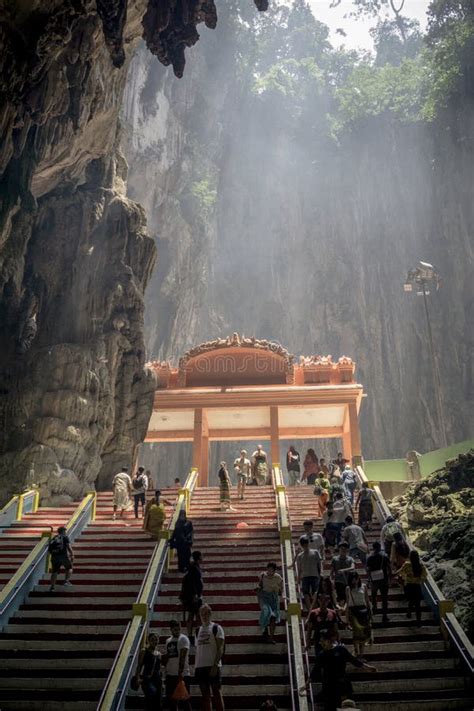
point(57, 650)
point(415, 672)
point(233, 558)
point(20, 537)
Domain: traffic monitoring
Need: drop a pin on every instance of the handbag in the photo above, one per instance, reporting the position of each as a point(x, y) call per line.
point(180, 693)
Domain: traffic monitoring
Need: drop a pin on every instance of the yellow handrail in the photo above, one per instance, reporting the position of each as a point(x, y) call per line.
point(293, 607)
point(29, 561)
point(120, 673)
point(443, 604)
point(119, 668)
point(37, 552)
point(91, 496)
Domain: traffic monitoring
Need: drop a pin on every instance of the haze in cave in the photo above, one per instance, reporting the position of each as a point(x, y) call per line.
point(306, 179)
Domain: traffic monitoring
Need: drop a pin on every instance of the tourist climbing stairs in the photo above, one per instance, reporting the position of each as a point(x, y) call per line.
point(415, 670)
point(19, 536)
point(236, 547)
point(57, 650)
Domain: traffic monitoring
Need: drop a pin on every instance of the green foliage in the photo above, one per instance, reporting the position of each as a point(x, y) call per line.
point(286, 64)
point(205, 193)
point(371, 91)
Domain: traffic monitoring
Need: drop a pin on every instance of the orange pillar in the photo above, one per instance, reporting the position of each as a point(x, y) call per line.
point(356, 452)
point(201, 446)
point(275, 436)
point(346, 437)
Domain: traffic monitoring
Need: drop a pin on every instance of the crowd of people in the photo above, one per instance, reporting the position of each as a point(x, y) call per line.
point(331, 603)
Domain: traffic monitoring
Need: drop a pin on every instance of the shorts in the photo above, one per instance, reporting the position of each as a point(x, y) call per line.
point(60, 561)
point(202, 676)
point(192, 605)
point(310, 584)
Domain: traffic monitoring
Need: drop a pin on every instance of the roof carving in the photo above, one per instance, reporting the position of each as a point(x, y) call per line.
point(236, 341)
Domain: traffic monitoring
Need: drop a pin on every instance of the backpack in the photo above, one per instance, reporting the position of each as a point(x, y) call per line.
point(56, 545)
point(138, 482)
point(391, 529)
point(214, 632)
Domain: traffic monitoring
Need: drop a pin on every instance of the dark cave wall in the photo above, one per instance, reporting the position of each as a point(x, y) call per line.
point(75, 258)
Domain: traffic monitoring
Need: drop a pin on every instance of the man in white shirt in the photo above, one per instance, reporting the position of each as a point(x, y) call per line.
point(208, 662)
point(316, 541)
point(242, 468)
point(340, 510)
point(177, 664)
point(355, 537)
point(309, 572)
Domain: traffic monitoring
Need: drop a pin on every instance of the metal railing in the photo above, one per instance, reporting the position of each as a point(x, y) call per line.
point(36, 563)
point(298, 662)
point(20, 504)
point(442, 607)
point(114, 694)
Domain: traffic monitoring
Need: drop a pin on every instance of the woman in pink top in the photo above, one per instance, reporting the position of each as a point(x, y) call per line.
point(310, 467)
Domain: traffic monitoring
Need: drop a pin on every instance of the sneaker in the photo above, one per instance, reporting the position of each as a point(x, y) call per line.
point(52, 588)
point(385, 619)
point(409, 615)
point(67, 584)
point(114, 517)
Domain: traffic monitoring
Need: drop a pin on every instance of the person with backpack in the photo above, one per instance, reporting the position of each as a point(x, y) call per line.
point(191, 591)
point(340, 511)
point(177, 668)
point(269, 590)
point(61, 557)
point(387, 533)
point(139, 489)
point(210, 646)
point(355, 537)
point(182, 540)
point(349, 482)
point(378, 570)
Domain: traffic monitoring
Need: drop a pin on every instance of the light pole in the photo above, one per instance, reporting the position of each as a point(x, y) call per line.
point(422, 278)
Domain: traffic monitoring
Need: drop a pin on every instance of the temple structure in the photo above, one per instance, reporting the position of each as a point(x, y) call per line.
point(240, 388)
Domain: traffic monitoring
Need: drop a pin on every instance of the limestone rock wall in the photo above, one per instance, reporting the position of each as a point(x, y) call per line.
point(75, 257)
point(306, 243)
point(438, 514)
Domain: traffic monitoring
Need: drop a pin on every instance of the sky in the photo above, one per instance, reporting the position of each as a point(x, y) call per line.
point(357, 29)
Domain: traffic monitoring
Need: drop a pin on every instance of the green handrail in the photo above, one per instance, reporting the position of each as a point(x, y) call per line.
point(113, 696)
